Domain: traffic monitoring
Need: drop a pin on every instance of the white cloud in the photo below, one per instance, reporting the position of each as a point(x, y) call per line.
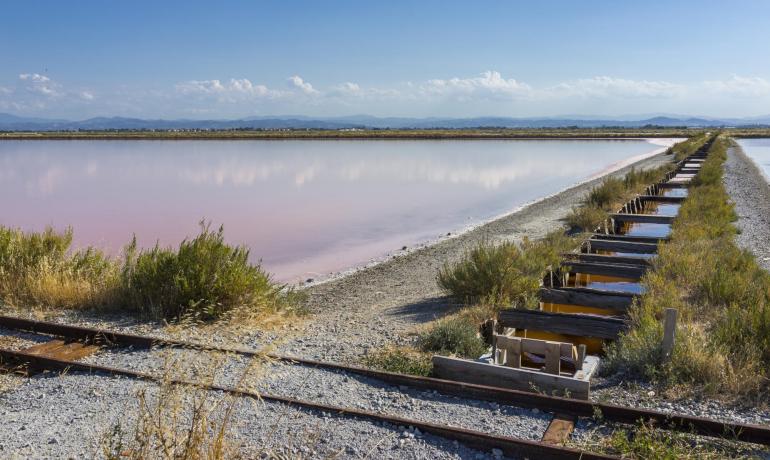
point(87, 95)
point(297, 82)
point(4, 90)
point(490, 83)
point(739, 86)
point(35, 77)
point(230, 90)
point(39, 84)
point(609, 87)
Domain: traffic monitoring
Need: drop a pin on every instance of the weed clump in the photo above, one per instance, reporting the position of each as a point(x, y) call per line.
point(504, 273)
point(40, 268)
point(453, 336)
point(401, 360)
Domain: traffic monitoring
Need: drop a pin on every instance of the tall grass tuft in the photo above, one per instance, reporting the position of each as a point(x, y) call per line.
point(40, 269)
point(504, 273)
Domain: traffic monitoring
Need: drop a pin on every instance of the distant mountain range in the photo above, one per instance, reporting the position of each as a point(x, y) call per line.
point(10, 122)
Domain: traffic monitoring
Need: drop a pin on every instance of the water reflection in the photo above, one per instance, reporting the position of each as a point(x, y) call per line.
point(305, 208)
point(759, 151)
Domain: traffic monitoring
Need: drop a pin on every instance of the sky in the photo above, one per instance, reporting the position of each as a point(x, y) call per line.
point(233, 59)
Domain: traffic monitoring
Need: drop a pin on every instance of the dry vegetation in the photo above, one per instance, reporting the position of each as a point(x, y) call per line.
point(723, 298)
point(203, 279)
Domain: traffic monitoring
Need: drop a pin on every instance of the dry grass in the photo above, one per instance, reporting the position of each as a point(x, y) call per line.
point(203, 279)
point(723, 299)
point(646, 441)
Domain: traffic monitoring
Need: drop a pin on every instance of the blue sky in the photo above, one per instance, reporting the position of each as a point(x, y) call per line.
point(432, 58)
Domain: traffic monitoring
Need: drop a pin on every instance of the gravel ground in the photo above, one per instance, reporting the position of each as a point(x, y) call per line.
point(750, 192)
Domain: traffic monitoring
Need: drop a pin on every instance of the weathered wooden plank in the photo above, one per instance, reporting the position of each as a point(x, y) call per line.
point(580, 325)
point(662, 199)
point(58, 349)
point(588, 298)
point(462, 370)
point(621, 246)
point(672, 185)
point(633, 272)
point(632, 239)
point(642, 218)
point(560, 429)
point(609, 259)
point(45, 348)
point(552, 358)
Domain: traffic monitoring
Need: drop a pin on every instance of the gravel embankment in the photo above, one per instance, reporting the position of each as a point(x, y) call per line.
point(750, 192)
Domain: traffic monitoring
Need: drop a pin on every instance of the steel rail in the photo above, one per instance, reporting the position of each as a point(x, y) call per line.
point(478, 440)
point(759, 434)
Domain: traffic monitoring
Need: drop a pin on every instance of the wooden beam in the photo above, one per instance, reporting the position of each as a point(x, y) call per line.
point(576, 324)
point(560, 429)
point(609, 259)
point(587, 297)
point(632, 239)
point(633, 272)
point(462, 370)
point(662, 199)
point(672, 185)
point(642, 218)
point(621, 246)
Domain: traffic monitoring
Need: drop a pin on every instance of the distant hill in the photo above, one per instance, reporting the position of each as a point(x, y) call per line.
point(10, 122)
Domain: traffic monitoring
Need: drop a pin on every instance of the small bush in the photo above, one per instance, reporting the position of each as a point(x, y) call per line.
point(204, 278)
point(453, 336)
point(586, 218)
point(403, 361)
point(504, 273)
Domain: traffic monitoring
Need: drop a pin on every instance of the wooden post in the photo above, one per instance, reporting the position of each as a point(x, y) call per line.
point(514, 353)
point(581, 356)
point(669, 332)
point(553, 357)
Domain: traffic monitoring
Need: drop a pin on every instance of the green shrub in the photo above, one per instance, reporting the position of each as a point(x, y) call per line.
point(204, 278)
point(586, 218)
point(401, 361)
point(453, 336)
point(504, 273)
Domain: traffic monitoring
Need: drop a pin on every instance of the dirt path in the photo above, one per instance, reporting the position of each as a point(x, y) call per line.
point(751, 194)
point(387, 303)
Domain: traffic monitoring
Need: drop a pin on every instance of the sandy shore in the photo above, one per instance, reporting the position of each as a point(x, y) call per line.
point(389, 302)
point(750, 192)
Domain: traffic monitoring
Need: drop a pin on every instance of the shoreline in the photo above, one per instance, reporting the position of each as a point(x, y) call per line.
point(459, 233)
point(388, 303)
point(749, 189)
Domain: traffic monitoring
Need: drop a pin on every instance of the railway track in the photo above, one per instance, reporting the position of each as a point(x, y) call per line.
point(560, 407)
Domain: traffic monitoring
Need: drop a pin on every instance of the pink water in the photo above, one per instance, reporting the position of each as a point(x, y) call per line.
point(305, 208)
